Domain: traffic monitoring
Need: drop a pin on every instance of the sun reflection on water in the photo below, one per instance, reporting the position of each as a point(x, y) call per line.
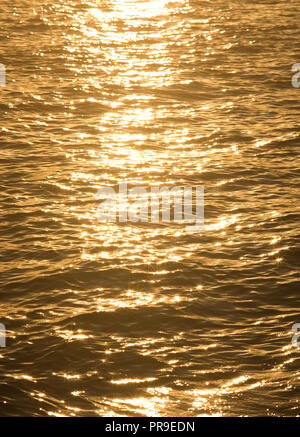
point(150, 321)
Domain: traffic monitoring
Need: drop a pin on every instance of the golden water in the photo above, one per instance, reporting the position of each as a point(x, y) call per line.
point(131, 319)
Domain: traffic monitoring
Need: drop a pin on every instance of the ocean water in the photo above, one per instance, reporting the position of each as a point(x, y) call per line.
point(145, 319)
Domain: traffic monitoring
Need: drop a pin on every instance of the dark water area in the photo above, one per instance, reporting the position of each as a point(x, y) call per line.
point(131, 319)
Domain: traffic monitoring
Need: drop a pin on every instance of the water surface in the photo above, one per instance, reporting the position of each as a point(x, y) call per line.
point(129, 319)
